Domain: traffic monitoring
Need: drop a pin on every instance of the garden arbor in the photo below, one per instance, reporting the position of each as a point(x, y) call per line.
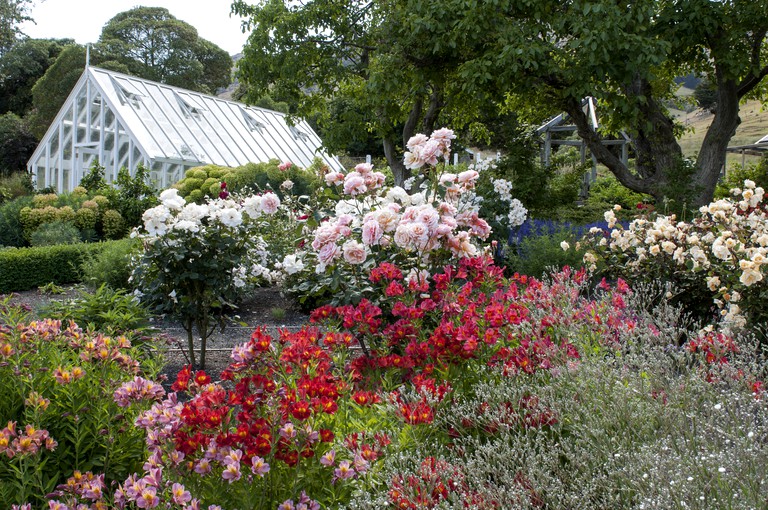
point(123, 121)
point(562, 123)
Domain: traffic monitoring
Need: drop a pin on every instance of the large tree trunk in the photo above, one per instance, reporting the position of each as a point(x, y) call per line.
point(711, 160)
point(659, 160)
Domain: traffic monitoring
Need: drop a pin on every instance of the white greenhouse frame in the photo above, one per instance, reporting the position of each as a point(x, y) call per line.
point(123, 121)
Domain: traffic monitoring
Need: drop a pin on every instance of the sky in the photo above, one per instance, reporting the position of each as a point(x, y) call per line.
point(82, 20)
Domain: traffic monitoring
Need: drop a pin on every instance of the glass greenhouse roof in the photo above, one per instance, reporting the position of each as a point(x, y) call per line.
point(174, 124)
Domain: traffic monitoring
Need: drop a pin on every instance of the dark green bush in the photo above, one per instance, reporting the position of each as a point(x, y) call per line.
point(11, 229)
point(536, 254)
point(30, 268)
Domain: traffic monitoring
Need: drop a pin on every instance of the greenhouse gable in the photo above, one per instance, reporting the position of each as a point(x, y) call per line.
point(122, 121)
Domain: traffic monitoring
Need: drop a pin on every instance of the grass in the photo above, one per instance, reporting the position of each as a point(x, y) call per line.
point(754, 125)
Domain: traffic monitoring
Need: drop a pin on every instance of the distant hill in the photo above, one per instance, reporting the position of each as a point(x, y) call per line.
point(227, 92)
point(754, 125)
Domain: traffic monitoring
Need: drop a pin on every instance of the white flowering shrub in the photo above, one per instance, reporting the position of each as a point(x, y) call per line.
point(718, 259)
point(197, 260)
point(371, 223)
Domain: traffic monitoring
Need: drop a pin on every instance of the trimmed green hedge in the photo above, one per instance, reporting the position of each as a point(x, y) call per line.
point(29, 268)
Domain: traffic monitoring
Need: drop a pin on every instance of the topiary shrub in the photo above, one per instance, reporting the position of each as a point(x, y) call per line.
point(30, 268)
point(87, 217)
point(56, 232)
point(113, 224)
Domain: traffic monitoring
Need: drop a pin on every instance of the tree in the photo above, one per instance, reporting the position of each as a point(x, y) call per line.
point(358, 54)
point(12, 14)
point(706, 96)
point(153, 44)
point(21, 67)
point(53, 88)
point(16, 144)
point(554, 53)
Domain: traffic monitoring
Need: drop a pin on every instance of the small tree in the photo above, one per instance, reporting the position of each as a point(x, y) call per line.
point(197, 258)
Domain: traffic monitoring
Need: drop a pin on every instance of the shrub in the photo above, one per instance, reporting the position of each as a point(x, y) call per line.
point(11, 227)
point(543, 252)
point(107, 310)
point(131, 196)
point(30, 268)
point(197, 259)
point(110, 265)
point(717, 261)
point(360, 222)
point(16, 185)
point(55, 232)
point(736, 175)
point(59, 408)
point(113, 225)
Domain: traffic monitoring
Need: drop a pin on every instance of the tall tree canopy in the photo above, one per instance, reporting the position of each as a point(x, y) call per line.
point(12, 14)
point(626, 54)
point(405, 61)
point(327, 57)
point(153, 44)
point(21, 67)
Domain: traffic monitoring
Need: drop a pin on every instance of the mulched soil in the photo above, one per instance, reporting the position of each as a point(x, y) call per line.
point(265, 307)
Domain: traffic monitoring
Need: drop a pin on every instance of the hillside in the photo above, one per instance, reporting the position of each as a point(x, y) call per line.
point(754, 125)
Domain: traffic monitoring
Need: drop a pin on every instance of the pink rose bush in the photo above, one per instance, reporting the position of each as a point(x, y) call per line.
point(373, 222)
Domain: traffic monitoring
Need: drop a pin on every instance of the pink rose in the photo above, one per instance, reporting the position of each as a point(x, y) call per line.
point(354, 184)
point(328, 253)
point(431, 152)
point(372, 232)
point(354, 252)
point(416, 141)
point(332, 178)
point(285, 165)
point(270, 203)
point(364, 168)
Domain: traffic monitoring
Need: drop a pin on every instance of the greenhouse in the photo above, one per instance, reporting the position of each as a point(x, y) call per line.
point(123, 121)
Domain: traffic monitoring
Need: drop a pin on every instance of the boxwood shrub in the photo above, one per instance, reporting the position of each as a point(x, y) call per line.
point(29, 268)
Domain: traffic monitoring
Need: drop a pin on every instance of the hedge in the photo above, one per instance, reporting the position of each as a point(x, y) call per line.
point(29, 268)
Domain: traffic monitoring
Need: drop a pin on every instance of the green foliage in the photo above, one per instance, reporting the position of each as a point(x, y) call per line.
point(21, 67)
point(132, 195)
point(153, 44)
point(61, 382)
point(94, 179)
point(15, 185)
point(111, 311)
point(371, 77)
point(11, 228)
point(538, 255)
point(55, 232)
point(113, 224)
point(12, 14)
point(607, 192)
point(110, 266)
point(736, 175)
point(17, 144)
point(29, 268)
point(627, 59)
point(705, 94)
